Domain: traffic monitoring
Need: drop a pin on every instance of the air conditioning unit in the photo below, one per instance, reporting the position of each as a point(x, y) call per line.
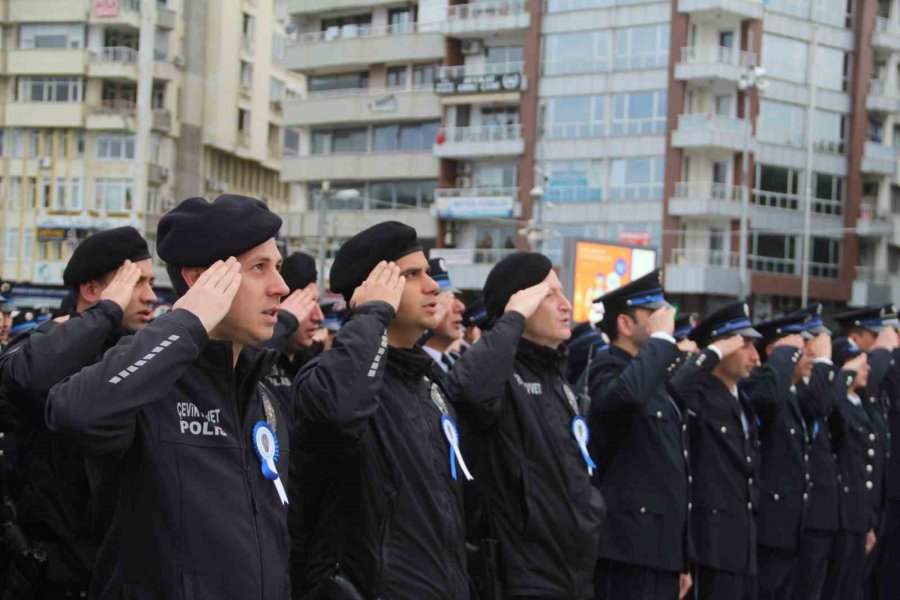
point(470, 47)
point(179, 61)
point(463, 182)
point(45, 162)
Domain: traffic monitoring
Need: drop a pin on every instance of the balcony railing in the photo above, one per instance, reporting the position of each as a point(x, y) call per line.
point(693, 190)
point(770, 264)
point(576, 66)
point(562, 131)
point(480, 10)
point(717, 55)
point(779, 200)
point(877, 87)
point(554, 6)
point(476, 192)
point(703, 257)
point(485, 133)
point(713, 122)
point(352, 92)
point(118, 106)
point(880, 151)
point(882, 24)
point(873, 275)
point(481, 69)
point(353, 32)
point(115, 54)
point(573, 193)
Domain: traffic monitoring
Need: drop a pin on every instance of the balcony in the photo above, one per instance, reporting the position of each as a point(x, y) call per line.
point(45, 114)
point(880, 100)
point(706, 199)
point(714, 9)
point(872, 224)
point(702, 271)
point(47, 11)
point(469, 267)
point(362, 46)
point(162, 119)
point(45, 62)
point(486, 18)
point(312, 7)
point(364, 105)
point(485, 78)
point(475, 203)
point(874, 287)
point(360, 166)
point(112, 114)
point(886, 35)
point(713, 63)
point(711, 131)
point(117, 62)
point(487, 140)
point(878, 159)
point(305, 224)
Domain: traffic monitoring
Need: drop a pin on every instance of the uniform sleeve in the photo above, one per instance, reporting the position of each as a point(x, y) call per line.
point(768, 385)
point(98, 406)
point(29, 369)
point(880, 365)
point(338, 389)
point(815, 398)
point(285, 327)
point(477, 382)
point(613, 388)
point(692, 374)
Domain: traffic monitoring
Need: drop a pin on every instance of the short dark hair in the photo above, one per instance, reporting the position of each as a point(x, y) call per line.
point(178, 283)
point(612, 328)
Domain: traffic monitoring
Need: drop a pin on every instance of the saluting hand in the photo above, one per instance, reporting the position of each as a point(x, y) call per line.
point(689, 346)
point(820, 346)
point(887, 339)
point(211, 295)
point(385, 284)
point(526, 302)
point(662, 320)
point(121, 288)
point(300, 303)
point(729, 345)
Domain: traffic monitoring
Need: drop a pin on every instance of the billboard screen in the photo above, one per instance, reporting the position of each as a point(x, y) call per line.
point(601, 267)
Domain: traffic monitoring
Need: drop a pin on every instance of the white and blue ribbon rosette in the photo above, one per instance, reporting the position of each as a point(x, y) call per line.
point(452, 436)
point(266, 445)
point(582, 435)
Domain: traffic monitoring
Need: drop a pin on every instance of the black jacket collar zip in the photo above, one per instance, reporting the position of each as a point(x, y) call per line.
point(541, 359)
point(408, 364)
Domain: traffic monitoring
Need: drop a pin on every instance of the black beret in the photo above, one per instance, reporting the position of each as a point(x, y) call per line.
point(299, 270)
point(516, 272)
point(197, 232)
point(355, 259)
point(475, 313)
point(103, 252)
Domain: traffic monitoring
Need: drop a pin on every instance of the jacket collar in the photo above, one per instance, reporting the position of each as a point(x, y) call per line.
point(252, 365)
point(409, 364)
point(541, 359)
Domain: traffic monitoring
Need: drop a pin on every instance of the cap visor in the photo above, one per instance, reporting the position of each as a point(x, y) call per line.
point(895, 323)
point(807, 335)
point(874, 328)
point(820, 330)
point(747, 332)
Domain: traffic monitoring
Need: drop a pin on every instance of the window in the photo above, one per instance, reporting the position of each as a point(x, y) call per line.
point(397, 77)
point(832, 68)
point(639, 113)
point(826, 258)
point(279, 43)
point(636, 178)
point(574, 181)
point(346, 81)
point(575, 117)
point(774, 253)
point(829, 132)
point(494, 175)
point(12, 243)
point(161, 44)
point(777, 187)
point(158, 97)
point(49, 89)
point(347, 27)
point(15, 193)
point(75, 194)
point(45, 192)
point(424, 75)
point(291, 141)
point(781, 123)
point(411, 137)
point(554, 6)
point(51, 36)
point(402, 20)
point(642, 47)
point(580, 52)
point(27, 244)
point(499, 116)
point(248, 27)
point(113, 195)
point(503, 55)
point(59, 202)
point(243, 120)
point(115, 147)
point(31, 192)
point(829, 193)
point(246, 74)
point(336, 141)
point(391, 194)
point(784, 58)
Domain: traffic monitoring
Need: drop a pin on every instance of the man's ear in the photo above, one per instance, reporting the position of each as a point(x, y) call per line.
point(191, 275)
point(624, 325)
point(90, 291)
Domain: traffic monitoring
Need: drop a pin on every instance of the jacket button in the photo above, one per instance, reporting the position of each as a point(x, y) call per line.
point(749, 460)
point(690, 506)
point(776, 497)
point(839, 477)
point(871, 452)
point(643, 509)
point(869, 468)
point(659, 414)
point(807, 476)
point(846, 490)
point(806, 496)
point(869, 485)
point(871, 437)
point(724, 429)
point(806, 457)
point(749, 506)
point(793, 432)
point(690, 479)
point(750, 481)
point(684, 427)
point(685, 453)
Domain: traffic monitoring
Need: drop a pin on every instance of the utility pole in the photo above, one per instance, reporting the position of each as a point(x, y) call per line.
point(810, 126)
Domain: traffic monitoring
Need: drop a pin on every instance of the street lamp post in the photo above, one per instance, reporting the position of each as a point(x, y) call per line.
point(753, 79)
point(325, 196)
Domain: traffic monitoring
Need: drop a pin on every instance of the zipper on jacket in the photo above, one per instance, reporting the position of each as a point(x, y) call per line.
point(250, 487)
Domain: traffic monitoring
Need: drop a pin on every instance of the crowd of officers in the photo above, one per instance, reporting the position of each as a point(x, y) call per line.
point(429, 450)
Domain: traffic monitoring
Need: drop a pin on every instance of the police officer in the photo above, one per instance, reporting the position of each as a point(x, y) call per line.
point(110, 276)
point(784, 449)
point(724, 454)
point(199, 451)
point(639, 436)
point(582, 347)
point(864, 329)
point(391, 525)
point(534, 493)
point(887, 574)
point(815, 397)
point(856, 440)
point(473, 321)
point(449, 330)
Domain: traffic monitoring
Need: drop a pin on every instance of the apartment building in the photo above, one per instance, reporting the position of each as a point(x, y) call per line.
point(112, 111)
point(622, 120)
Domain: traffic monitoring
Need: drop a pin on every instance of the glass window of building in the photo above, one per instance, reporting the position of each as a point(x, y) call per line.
point(784, 58)
point(51, 36)
point(645, 47)
point(639, 113)
point(637, 178)
point(781, 123)
point(577, 52)
point(832, 67)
